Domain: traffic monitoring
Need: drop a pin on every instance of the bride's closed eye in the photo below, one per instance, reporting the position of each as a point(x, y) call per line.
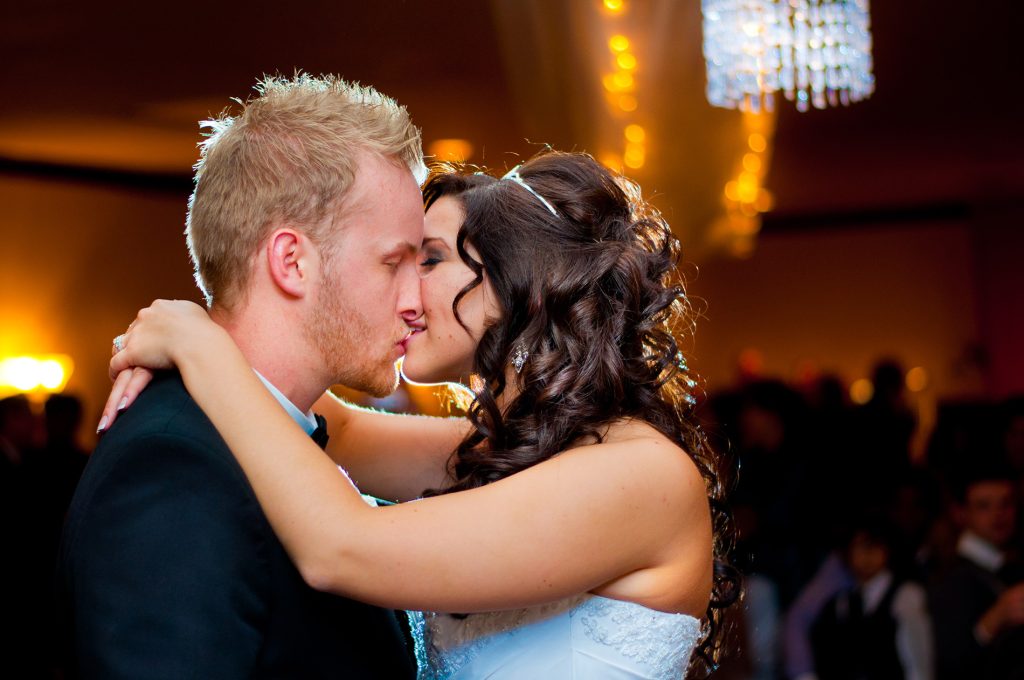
point(429, 260)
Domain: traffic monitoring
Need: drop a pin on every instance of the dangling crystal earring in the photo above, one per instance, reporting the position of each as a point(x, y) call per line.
point(519, 357)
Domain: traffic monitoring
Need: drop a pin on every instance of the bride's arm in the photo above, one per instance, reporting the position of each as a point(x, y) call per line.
point(391, 456)
point(562, 527)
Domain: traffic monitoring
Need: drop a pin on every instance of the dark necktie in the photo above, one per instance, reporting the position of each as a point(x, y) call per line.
point(856, 602)
point(320, 435)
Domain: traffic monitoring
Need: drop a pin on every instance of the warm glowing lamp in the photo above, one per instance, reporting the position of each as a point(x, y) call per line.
point(35, 374)
point(451, 150)
point(19, 373)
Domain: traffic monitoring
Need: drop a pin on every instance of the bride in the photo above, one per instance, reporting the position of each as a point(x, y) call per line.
point(577, 531)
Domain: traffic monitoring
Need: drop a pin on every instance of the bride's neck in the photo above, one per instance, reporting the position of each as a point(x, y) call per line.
point(510, 393)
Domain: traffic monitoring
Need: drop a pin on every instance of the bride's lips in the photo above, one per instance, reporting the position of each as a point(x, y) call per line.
point(414, 331)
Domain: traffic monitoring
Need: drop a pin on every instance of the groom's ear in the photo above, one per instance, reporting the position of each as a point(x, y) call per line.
point(291, 259)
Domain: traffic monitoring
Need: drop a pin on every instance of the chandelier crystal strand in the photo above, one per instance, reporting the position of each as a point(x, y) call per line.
point(815, 52)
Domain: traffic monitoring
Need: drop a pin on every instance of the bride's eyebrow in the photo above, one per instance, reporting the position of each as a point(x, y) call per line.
point(434, 240)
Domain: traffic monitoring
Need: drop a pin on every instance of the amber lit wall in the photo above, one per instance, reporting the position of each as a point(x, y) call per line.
point(77, 261)
point(943, 296)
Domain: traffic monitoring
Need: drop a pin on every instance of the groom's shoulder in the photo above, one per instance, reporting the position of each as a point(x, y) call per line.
point(161, 452)
point(164, 410)
point(164, 429)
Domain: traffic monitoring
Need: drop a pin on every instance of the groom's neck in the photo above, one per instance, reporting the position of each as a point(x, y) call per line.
point(277, 350)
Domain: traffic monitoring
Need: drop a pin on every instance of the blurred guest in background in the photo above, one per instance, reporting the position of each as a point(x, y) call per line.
point(877, 626)
point(62, 460)
point(911, 512)
point(20, 641)
point(832, 578)
point(17, 434)
point(978, 601)
point(1012, 429)
point(52, 472)
point(768, 499)
point(882, 429)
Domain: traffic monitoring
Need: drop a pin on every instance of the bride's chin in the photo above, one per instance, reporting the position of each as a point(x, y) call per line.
point(416, 375)
point(411, 375)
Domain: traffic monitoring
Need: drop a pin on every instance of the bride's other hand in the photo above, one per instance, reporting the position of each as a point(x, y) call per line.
point(128, 384)
point(161, 334)
point(154, 341)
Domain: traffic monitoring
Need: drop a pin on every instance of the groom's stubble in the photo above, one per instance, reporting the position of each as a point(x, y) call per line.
point(344, 338)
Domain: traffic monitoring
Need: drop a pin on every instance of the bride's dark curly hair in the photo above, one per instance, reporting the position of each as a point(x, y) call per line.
point(593, 294)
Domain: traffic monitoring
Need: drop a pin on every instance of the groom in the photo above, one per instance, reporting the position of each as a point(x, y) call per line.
point(303, 229)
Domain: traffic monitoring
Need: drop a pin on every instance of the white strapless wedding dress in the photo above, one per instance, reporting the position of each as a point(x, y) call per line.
point(582, 637)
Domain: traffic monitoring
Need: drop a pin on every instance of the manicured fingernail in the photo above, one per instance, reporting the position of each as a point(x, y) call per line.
point(103, 425)
point(124, 402)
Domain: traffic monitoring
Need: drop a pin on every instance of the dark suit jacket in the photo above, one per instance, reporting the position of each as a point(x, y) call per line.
point(169, 569)
point(957, 600)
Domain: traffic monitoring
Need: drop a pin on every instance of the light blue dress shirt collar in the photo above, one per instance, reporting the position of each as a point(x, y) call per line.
point(305, 420)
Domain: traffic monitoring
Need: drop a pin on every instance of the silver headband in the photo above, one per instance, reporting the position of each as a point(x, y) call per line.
point(513, 175)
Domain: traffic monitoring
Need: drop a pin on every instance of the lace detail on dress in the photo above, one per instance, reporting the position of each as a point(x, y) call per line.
point(417, 627)
point(444, 643)
point(658, 640)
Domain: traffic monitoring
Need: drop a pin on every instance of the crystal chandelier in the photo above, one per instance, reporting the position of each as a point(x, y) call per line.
point(816, 52)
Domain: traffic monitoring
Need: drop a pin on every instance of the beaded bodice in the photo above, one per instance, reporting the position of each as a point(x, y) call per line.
point(581, 637)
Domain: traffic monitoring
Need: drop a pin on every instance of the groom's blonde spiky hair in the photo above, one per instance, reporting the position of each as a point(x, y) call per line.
point(290, 156)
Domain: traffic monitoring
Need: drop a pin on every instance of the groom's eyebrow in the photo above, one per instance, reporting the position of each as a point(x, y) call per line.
point(402, 248)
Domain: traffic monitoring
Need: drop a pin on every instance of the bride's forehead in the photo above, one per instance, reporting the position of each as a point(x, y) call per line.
point(444, 217)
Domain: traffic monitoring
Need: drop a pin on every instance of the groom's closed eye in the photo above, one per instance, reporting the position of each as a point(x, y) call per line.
point(393, 258)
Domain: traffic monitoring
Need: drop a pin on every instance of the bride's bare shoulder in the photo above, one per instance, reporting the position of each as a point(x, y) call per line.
point(636, 447)
point(673, 490)
point(630, 429)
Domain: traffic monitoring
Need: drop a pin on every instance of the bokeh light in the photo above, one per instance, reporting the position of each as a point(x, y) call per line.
point(618, 43)
point(861, 391)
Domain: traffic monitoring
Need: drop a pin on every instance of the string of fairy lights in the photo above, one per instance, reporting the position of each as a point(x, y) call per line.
point(620, 89)
point(744, 196)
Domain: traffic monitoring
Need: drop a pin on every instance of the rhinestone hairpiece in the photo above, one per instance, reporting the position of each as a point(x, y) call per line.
point(519, 357)
point(513, 175)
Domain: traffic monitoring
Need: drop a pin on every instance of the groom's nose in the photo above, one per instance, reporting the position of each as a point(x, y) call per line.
point(410, 306)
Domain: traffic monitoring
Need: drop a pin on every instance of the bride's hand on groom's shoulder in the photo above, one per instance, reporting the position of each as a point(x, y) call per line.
point(128, 384)
point(149, 344)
